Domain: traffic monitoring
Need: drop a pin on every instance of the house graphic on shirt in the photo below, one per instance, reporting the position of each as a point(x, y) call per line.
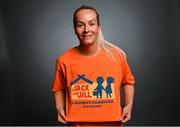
point(81, 87)
point(81, 77)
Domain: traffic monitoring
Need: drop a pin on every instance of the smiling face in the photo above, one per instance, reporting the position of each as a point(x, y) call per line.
point(86, 26)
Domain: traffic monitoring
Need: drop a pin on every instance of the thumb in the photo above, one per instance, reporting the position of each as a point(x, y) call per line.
point(62, 114)
point(123, 116)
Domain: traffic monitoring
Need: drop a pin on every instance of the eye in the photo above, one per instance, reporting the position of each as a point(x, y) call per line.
point(92, 24)
point(80, 25)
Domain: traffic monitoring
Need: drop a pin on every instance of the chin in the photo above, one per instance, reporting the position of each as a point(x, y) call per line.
point(87, 43)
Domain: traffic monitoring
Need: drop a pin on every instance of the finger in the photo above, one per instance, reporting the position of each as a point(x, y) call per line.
point(60, 119)
point(126, 118)
point(62, 114)
point(122, 116)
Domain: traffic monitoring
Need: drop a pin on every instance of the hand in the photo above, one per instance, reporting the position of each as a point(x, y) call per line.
point(61, 117)
point(126, 114)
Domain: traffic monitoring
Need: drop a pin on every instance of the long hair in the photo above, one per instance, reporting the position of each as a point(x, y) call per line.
point(102, 42)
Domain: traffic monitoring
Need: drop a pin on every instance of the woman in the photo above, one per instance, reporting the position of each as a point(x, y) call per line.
point(82, 73)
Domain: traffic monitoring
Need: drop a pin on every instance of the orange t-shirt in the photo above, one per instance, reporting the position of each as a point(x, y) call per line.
point(92, 85)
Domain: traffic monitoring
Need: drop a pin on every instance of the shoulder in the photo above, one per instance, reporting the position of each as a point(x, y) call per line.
point(118, 52)
point(66, 55)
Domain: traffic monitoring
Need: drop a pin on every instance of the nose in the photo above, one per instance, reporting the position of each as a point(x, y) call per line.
point(86, 28)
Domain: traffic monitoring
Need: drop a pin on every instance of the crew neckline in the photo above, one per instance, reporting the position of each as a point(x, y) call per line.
point(88, 56)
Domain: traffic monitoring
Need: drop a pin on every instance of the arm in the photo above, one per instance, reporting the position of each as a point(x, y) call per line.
point(60, 106)
point(128, 92)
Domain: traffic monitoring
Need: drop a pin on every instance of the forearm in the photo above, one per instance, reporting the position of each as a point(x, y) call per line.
point(128, 92)
point(59, 100)
point(60, 106)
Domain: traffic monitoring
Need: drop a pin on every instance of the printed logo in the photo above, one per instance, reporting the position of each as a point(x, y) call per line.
point(84, 88)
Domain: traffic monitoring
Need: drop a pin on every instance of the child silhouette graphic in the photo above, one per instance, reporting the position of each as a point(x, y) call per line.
point(108, 88)
point(99, 87)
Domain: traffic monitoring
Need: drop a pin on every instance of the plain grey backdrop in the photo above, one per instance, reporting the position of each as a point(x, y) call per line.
point(33, 33)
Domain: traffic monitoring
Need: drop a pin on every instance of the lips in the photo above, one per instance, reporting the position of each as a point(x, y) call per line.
point(87, 35)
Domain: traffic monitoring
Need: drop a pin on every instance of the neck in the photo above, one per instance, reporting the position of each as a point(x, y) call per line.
point(89, 50)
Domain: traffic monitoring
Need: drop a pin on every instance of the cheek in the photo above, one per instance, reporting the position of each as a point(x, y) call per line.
point(95, 30)
point(78, 31)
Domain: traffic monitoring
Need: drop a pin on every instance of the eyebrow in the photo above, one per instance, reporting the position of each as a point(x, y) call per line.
point(88, 21)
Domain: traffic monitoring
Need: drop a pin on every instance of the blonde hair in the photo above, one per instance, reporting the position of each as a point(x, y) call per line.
point(106, 45)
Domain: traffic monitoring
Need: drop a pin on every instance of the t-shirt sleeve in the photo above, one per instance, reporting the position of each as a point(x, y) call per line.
point(59, 82)
point(127, 76)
